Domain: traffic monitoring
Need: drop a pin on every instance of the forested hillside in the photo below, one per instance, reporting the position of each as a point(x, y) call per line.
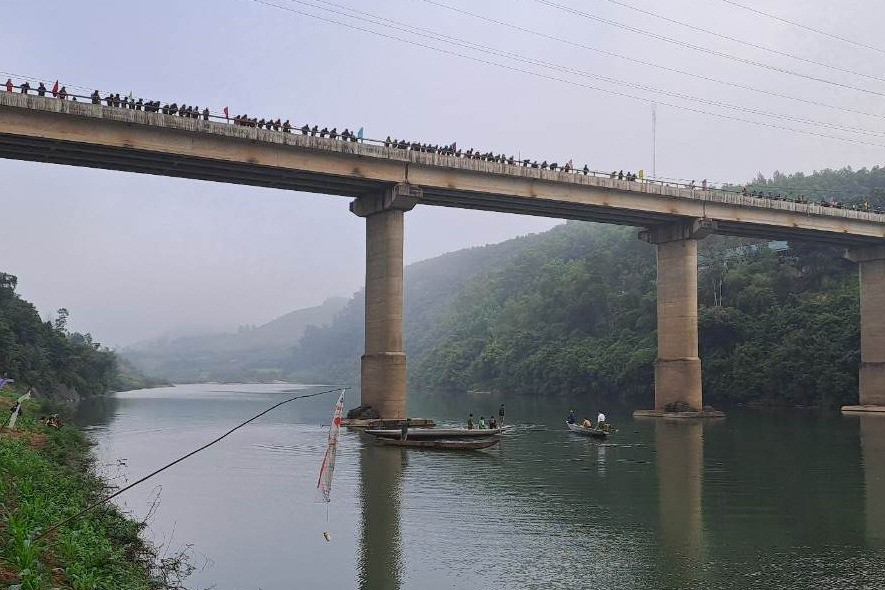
point(573, 310)
point(47, 356)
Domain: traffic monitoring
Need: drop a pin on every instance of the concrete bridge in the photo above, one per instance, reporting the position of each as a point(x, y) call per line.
point(386, 182)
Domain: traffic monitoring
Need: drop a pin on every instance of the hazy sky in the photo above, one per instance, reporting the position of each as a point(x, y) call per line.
point(133, 256)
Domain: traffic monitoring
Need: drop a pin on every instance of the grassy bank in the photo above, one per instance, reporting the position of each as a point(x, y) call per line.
point(45, 476)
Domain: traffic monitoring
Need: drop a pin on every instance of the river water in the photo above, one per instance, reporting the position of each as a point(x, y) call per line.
point(788, 499)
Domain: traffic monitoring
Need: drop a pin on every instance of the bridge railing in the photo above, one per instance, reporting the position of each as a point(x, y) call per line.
point(645, 184)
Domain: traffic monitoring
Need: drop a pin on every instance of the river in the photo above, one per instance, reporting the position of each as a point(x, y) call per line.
point(787, 499)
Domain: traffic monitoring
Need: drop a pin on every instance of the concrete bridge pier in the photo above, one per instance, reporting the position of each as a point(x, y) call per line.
point(871, 260)
point(678, 367)
point(383, 366)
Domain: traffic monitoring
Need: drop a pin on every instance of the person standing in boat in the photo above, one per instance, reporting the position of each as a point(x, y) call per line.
point(600, 419)
point(482, 423)
point(492, 423)
point(404, 431)
point(470, 422)
point(572, 419)
point(501, 415)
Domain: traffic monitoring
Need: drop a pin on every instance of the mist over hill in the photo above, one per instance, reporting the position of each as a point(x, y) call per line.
point(253, 353)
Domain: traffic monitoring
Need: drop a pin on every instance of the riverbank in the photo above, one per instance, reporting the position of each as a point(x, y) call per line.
point(46, 475)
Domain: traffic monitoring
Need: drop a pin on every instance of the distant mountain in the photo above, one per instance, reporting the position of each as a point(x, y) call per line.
point(250, 354)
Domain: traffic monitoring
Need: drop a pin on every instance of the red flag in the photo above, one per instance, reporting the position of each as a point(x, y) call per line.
point(225, 113)
point(55, 89)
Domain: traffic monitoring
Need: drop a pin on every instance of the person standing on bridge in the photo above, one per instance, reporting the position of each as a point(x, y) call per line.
point(63, 93)
point(9, 85)
point(25, 87)
point(41, 89)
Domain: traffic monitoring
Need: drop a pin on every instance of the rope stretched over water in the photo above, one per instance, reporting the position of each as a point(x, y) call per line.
point(98, 503)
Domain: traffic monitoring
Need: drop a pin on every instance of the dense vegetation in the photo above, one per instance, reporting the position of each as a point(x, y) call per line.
point(44, 478)
point(847, 185)
point(573, 310)
point(47, 356)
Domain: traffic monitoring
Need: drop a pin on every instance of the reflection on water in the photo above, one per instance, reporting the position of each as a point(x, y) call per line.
point(679, 446)
point(760, 500)
point(380, 554)
point(872, 438)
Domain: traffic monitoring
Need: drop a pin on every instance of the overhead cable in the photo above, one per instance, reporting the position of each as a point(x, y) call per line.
point(742, 41)
point(411, 29)
point(562, 80)
point(707, 50)
point(806, 27)
point(647, 63)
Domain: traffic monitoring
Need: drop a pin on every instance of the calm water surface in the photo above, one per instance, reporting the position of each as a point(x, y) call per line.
point(759, 500)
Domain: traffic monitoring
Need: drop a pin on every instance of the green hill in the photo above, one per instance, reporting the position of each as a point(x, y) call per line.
point(44, 355)
point(573, 310)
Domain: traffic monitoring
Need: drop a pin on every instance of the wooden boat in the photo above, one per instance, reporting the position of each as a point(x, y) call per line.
point(436, 433)
point(443, 445)
point(594, 432)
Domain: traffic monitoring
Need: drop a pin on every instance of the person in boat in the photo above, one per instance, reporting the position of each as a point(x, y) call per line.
point(587, 423)
point(501, 415)
point(470, 422)
point(572, 419)
point(600, 419)
point(482, 423)
point(492, 423)
point(404, 431)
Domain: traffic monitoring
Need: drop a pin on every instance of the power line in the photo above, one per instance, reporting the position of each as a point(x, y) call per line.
point(647, 63)
point(806, 27)
point(562, 80)
point(701, 49)
point(742, 41)
point(410, 29)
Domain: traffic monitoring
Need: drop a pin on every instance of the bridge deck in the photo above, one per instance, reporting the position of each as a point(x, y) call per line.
point(96, 136)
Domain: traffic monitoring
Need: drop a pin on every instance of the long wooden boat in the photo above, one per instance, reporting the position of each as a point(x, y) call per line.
point(443, 445)
point(594, 432)
point(436, 433)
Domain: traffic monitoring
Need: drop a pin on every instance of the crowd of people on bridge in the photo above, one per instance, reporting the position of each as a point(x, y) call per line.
point(194, 112)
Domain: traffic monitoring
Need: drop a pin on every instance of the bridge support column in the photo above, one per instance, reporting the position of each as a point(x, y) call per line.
point(678, 367)
point(383, 366)
point(871, 260)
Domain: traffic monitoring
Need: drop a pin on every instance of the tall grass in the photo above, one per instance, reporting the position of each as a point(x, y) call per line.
point(45, 477)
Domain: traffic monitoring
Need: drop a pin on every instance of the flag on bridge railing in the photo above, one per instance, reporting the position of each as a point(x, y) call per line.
point(55, 89)
point(359, 134)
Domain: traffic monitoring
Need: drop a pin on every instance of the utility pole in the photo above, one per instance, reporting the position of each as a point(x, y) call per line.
point(654, 139)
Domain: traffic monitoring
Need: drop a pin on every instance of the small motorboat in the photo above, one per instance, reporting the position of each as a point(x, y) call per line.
point(443, 445)
point(594, 432)
point(436, 433)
